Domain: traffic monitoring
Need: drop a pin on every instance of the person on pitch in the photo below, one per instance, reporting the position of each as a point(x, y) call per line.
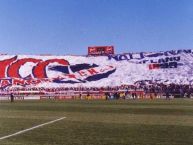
point(12, 97)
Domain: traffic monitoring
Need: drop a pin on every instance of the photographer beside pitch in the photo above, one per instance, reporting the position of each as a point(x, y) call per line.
point(12, 97)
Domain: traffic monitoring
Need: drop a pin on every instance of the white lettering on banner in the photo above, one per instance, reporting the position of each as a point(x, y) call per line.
point(142, 55)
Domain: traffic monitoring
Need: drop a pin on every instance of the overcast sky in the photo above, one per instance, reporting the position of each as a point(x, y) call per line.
point(70, 26)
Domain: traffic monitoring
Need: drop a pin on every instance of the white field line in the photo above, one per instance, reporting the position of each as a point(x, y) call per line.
point(25, 130)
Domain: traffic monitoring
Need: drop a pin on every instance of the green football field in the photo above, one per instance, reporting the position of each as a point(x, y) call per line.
point(122, 122)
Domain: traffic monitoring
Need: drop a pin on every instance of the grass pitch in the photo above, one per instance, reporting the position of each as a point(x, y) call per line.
point(122, 122)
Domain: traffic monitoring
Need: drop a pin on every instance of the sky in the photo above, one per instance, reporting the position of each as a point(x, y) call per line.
point(70, 26)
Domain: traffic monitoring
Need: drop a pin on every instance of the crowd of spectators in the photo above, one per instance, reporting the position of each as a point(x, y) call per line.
point(171, 89)
point(123, 91)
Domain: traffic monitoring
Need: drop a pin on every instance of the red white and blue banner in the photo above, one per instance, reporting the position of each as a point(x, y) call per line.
point(112, 70)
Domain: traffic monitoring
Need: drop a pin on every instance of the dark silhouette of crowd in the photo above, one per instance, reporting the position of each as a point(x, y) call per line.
point(118, 92)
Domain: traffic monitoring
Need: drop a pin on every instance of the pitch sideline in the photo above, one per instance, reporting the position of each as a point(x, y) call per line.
point(26, 130)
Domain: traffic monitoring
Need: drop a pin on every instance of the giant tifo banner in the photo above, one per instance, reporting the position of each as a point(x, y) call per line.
point(80, 71)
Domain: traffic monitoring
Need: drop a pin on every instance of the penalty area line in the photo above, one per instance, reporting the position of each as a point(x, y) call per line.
point(26, 130)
